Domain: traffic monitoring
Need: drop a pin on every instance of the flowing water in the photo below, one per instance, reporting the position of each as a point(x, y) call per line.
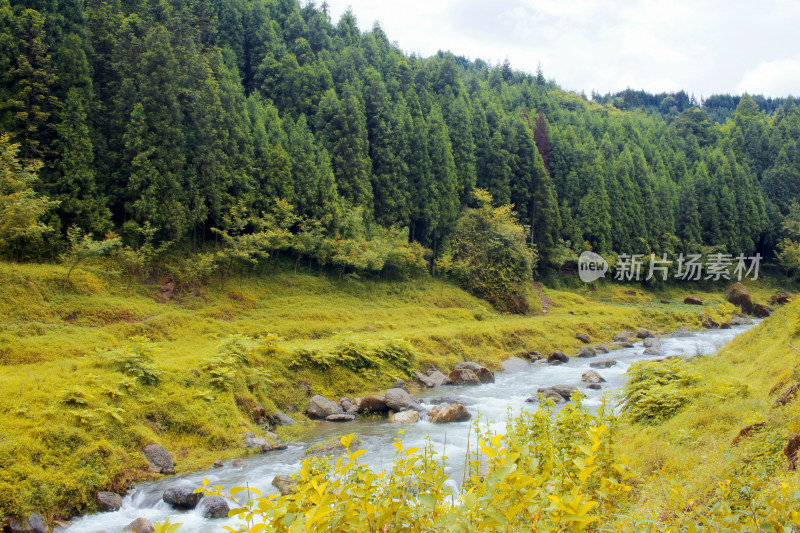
point(510, 390)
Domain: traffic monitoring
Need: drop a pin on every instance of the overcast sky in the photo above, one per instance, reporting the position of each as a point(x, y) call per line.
point(701, 46)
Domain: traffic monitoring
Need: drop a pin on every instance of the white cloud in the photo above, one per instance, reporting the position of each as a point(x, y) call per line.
point(779, 76)
point(701, 46)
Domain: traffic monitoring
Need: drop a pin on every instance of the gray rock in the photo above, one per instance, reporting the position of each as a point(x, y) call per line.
point(514, 364)
point(340, 418)
point(160, 459)
point(400, 400)
point(484, 374)
point(583, 337)
point(34, 523)
point(594, 386)
point(682, 331)
point(565, 391)
point(257, 443)
point(404, 417)
point(140, 525)
point(587, 351)
point(285, 484)
point(653, 350)
point(464, 376)
point(284, 419)
point(557, 357)
point(215, 507)
point(424, 380)
point(181, 497)
point(218, 464)
point(651, 342)
point(601, 348)
point(399, 384)
point(553, 395)
point(623, 344)
point(740, 321)
point(438, 378)
point(592, 376)
point(108, 501)
point(605, 363)
point(449, 413)
point(623, 336)
point(644, 334)
point(346, 404)
point(320, 407)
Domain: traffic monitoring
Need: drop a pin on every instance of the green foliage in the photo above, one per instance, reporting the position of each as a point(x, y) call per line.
point(491, 256)
point(550, 472)
point(21, 207)
point(359, 354)
point(655, 391)
point(136, 360)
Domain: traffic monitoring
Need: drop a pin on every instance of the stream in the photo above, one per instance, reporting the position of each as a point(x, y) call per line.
point(510, 390)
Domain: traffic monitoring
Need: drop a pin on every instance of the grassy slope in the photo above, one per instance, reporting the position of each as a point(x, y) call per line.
point(54, 456)
point(685, 458)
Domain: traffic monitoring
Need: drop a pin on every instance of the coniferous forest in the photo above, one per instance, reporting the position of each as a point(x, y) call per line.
point(186, 124)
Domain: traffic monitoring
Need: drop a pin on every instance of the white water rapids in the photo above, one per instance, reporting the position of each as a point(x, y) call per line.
point(510, 390)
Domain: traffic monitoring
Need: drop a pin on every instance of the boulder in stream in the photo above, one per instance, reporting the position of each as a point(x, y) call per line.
point(483, 373)
point(592, 376)
point(565, 391)
point(449, 413)
point(140, 525)
point(215, 507)
point(682, 331)
point(400, 400)
point(183, 498)
point(285, 484)
point(108, 501)
point(557, 357)
point(605, 363)
point(651, 342)
point(463, 376)
point(372, 405)
point(320, 407)
point(644, 333)
point(601, 348)
point(587, 351)
point(740, 321)
point(404, 417)
point(553, 395)
point(341, 417)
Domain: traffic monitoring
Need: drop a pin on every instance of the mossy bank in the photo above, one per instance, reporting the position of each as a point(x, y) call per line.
point(76, 414)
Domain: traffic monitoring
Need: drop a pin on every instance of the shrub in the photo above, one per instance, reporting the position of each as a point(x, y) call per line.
point(358, 354)
point(136, 360)
point(655, 391)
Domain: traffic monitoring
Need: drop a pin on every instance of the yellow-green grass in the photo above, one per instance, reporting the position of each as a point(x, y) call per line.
point(56, 451)
point(683, 461)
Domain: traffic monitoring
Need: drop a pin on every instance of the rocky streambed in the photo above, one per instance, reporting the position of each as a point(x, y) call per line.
point(440, 412)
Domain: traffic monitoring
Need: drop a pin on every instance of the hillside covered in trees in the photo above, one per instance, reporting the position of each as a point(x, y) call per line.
point(177, 122)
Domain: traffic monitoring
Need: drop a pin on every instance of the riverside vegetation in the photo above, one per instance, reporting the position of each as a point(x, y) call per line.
point(217, 207)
